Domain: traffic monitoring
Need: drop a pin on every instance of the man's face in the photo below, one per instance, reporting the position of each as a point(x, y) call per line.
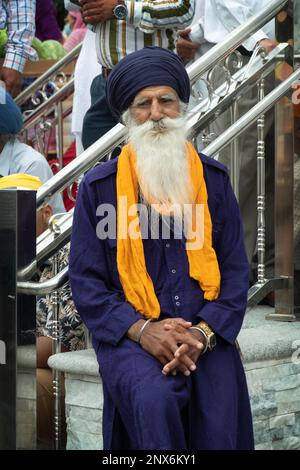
point(157, 133)
point(155, 103)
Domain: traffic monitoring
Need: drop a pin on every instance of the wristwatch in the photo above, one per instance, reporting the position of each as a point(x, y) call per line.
point(210, 336)
point(120, 11)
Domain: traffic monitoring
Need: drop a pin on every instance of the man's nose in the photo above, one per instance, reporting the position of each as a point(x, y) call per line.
point(156, 112)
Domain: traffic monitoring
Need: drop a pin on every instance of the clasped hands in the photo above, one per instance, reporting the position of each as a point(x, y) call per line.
point(173, 344)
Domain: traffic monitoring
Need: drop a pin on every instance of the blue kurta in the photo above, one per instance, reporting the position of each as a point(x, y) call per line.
point(143, 409)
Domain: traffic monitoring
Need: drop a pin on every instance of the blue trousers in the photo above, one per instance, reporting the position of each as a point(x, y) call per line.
point(143, 409)
point(98, 119)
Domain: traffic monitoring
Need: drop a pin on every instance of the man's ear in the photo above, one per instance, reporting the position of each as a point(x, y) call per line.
point(47, 213)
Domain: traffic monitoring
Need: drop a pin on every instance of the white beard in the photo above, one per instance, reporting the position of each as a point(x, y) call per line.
point(162, 166)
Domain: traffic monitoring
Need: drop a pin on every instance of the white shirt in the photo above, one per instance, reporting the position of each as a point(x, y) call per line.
point(214, 19)
point(86, 69)
point(21, 158)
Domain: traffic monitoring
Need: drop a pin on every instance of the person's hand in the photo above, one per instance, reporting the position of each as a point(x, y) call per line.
point(163, 342)
point(12, 79)
point(186, 49)
point(268, 44)
point(97, 11)
point(186, 356)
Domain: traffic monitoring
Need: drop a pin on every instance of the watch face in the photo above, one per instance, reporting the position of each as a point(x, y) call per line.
point(120, 12)
point(213, 342)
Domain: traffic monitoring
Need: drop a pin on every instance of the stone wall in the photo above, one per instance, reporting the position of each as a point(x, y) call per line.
point(274, 389)
point(84, 405)
point(273, 375)
point(83, 399)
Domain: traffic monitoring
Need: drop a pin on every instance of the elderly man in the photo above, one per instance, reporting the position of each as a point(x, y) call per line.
point(164, 304)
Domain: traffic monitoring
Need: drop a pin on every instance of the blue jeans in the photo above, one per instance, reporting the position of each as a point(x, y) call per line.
point(98, 119)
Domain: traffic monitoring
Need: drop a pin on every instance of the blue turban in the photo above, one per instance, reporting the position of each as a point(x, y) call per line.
point(11, 119)
point(151, 66)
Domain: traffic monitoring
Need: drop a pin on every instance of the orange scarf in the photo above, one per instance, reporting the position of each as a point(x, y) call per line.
point(136, 282)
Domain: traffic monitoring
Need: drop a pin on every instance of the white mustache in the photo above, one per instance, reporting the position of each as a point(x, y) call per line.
point(164, 123)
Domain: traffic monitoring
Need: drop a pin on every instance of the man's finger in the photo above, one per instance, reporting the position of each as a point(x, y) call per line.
point(187, 362)
point(187, 45)
point(92, 19)
point(178, 321)
point(175, 365)
point(88, 5)
point(176, 327)
point(184, 43)
point(187, 338)
point(91, 11)
point(184, 32)
point(183, 349)
point(170, 366)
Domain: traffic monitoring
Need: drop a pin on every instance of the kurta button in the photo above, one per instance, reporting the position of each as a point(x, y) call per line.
point(177, 303)
point(173, 271)
point(176, 297)
point(168, 245)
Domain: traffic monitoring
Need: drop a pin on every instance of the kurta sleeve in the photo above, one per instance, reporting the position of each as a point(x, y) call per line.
point(237, 12)
point(149, 15)
point(104, 310)
point(20, 30)
point(225, 315)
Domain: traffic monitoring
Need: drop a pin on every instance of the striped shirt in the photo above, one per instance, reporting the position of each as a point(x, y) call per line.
point(148, 23)
point(18, 17)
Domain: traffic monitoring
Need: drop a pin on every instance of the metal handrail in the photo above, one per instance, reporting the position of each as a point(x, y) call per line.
point(252, 115)
point(48, 104)
point(48, 74)
point(234, 39)
point(47, 245)
point(236, 89)
point(224, 139)
point(100, 148)
point(46, 287)
point(82, 163)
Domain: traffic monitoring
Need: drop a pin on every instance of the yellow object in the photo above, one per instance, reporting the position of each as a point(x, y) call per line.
point(135, 280)
point(20, 180)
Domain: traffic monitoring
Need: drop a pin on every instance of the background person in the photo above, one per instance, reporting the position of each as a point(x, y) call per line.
point(18, 17)
point(16, 157)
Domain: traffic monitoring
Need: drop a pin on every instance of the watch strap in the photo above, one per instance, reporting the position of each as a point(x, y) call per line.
point(205, 336)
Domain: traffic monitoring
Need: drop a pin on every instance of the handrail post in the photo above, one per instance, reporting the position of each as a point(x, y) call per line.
point(59, 134)
point(261, 189)
point(284, 187)
point(235, 157)
point(56, 343)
